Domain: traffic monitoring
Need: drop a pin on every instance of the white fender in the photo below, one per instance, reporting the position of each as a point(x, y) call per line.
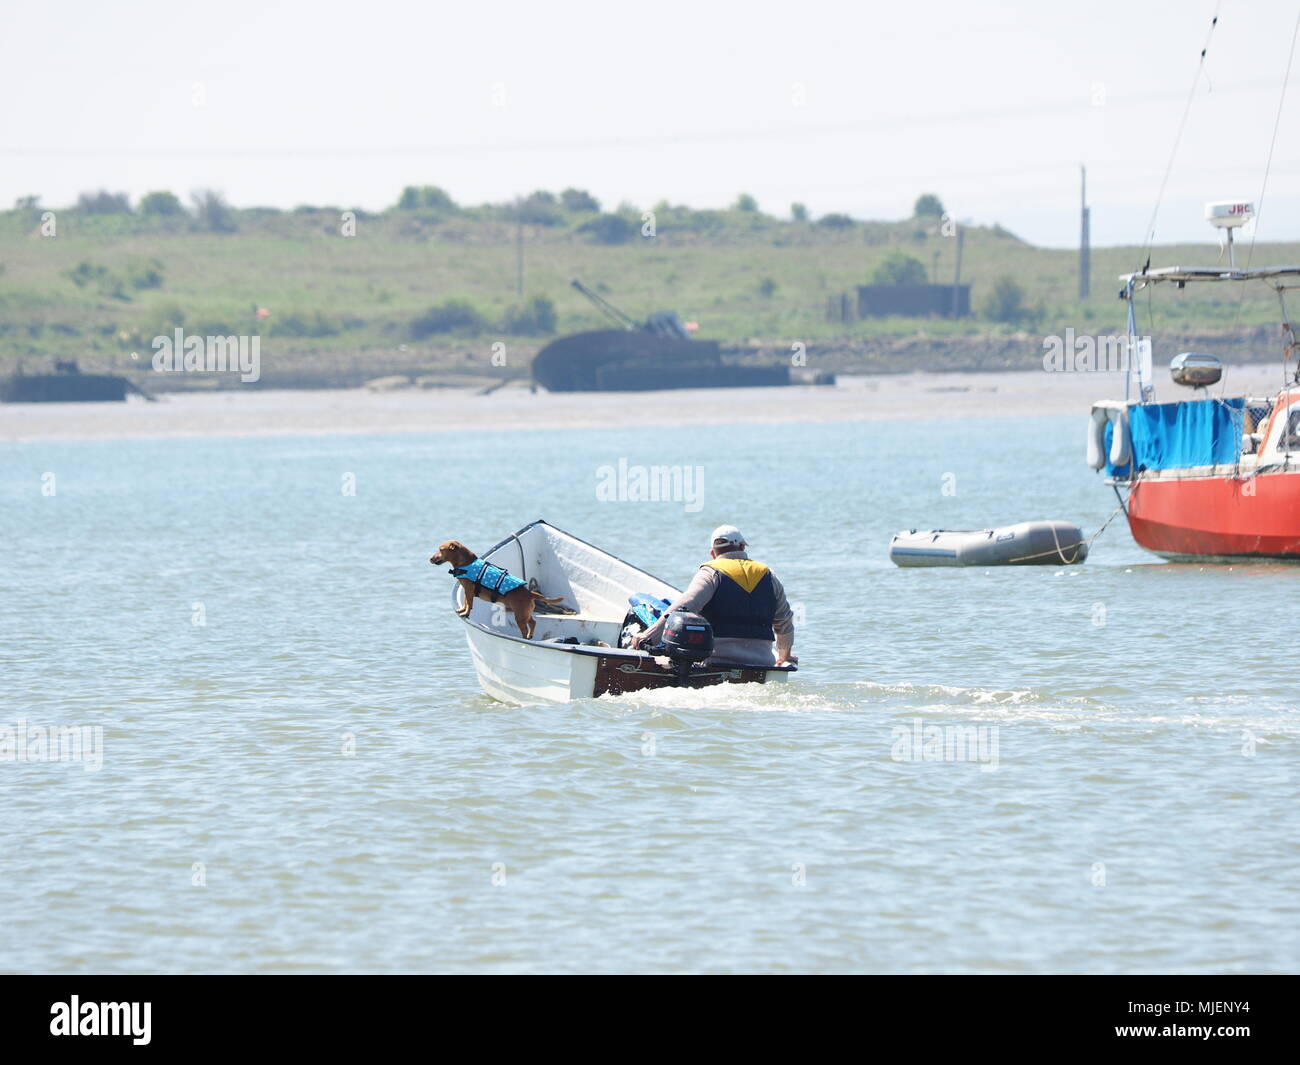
point(1116, 415)
point(1119, 441)
point(1097, 437)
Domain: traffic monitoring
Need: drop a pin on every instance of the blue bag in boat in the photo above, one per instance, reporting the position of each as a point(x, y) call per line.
point(645, 611)
point(647, 608)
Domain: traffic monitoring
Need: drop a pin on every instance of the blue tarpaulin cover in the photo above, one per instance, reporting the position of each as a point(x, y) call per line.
point(1198, 432)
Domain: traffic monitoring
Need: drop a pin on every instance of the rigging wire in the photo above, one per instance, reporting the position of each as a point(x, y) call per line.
point(1182, 125)
point(1259, 209)
point(1277, 122)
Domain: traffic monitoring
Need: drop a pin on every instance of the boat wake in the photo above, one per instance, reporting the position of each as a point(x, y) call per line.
point(1008, 706)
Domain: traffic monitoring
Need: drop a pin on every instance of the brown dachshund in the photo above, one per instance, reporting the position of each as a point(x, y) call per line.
point(519, 601)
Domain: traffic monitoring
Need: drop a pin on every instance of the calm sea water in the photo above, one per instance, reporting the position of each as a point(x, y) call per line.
point(299, 772)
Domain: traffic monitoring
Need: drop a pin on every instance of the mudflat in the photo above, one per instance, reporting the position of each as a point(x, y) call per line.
point(266, 412)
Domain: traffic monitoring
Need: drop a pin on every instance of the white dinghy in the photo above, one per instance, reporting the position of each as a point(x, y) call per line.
point(576, 655)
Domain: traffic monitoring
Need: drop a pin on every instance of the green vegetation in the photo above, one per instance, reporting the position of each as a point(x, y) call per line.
point(538, 209)
point(451, 316)
point(160, 203)
point(577, 201)
point(928, 205)
point(212, 212)
point(836, 221)
point(1005, 302)
point(429, 197)
point(535, 318)
point(607, 229)
point(103, 202)
point(899, 268)
point(344, 285)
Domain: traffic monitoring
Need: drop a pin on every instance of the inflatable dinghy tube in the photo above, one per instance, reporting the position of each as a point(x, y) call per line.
point(1030, 543)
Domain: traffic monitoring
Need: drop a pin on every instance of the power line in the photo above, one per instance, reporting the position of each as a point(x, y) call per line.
point(763, 133)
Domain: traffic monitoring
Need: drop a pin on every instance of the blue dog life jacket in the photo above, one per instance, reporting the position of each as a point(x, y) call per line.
point(485, 575)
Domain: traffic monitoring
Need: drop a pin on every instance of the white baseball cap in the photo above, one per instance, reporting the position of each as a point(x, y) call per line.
point(727, 534)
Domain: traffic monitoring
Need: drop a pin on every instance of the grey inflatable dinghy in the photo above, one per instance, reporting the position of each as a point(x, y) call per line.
point(1031, 543)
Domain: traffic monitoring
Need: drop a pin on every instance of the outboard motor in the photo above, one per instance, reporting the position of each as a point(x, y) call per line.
point(687, 641)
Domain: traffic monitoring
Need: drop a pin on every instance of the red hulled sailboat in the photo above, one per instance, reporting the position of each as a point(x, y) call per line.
point(1212, 477)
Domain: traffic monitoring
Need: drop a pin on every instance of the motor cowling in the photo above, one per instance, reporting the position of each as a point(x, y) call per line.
point(687, 638)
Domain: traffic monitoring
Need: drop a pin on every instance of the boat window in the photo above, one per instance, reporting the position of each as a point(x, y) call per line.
point(1291, 437)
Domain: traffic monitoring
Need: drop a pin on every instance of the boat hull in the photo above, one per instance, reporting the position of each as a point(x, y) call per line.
point(1223, 517)
point(620, 360)
point(63, 388)
point(574, 652)
point(512, 670)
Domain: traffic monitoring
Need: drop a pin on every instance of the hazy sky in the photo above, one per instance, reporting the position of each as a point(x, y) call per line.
point(853, 108)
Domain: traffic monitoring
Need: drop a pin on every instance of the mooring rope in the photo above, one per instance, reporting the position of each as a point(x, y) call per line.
point(1059, 551)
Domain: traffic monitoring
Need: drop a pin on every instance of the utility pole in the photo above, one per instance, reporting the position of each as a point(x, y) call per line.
point(519, 261)
point(956, 277)
point(1085, 251)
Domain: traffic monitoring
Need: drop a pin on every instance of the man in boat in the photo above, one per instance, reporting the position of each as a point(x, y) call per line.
point(743, 601)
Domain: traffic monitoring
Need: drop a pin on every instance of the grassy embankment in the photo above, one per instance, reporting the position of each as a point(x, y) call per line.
point(342, 308)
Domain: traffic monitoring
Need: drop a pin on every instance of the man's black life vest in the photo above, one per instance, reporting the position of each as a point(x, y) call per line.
point(745, 601)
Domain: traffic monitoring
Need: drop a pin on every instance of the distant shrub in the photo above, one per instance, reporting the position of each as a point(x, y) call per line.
point(539, 209)
point(928, 205)
point(147, 274)
point(430, 197)
point(85, 273)
point(608, 229)
point(535, 318)
point(302, 325)
point(745, 202)
point(578, 200)
point(451, 316)
point(1005, 302)
point(114, 288)
point(899, 268)
point(767, 288)
point(213, 327)
point(104, 202)
point(166, 319)
point(798, 212)
point(212, 211)
point(27, 203)
point(160, 203)
point(681, 219)
point(835, 221)
point(100, 278)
